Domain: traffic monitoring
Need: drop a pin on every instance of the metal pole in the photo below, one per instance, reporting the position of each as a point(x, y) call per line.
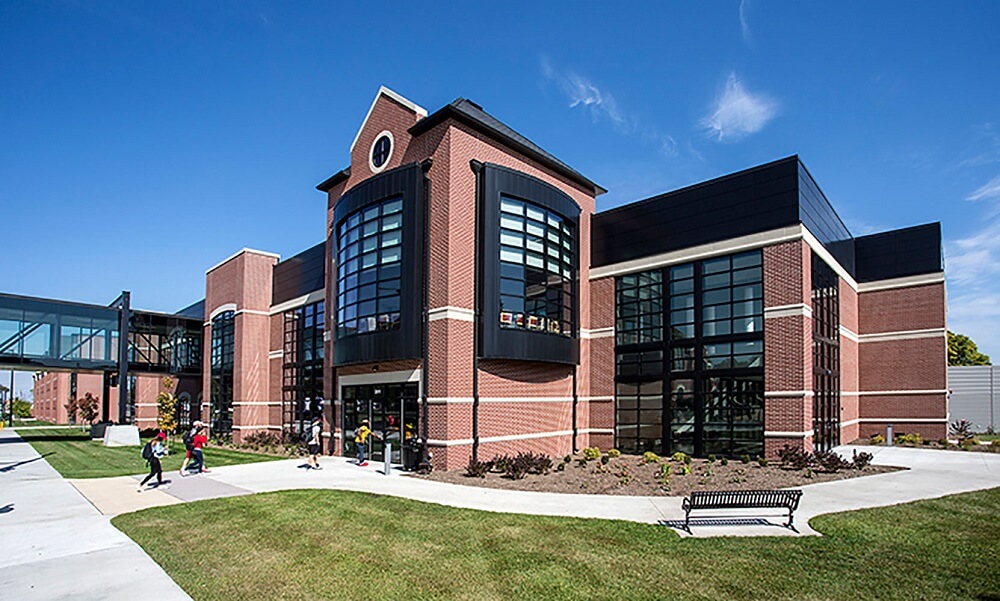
point(10, 401)
point(124, 317)
point(388, 458)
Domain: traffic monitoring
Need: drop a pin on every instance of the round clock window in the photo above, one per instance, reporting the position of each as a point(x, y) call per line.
point(381, 151)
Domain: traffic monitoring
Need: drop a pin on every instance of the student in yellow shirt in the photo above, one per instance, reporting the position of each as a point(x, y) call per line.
point(361, 439)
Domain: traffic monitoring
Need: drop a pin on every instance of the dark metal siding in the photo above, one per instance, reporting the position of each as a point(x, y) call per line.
point(501, 343)
point(756, 200)
point(406, 182)
point(817, 214)
point(899, 253)
point(300, 275)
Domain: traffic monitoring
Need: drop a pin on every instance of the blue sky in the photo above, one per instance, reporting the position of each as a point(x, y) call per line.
point(185, 131)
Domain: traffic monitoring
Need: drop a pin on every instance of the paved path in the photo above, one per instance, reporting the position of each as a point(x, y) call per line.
point(932, 473)
point(54, 544)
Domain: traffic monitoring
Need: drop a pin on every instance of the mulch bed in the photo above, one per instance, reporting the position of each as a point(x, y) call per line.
point(628, 475)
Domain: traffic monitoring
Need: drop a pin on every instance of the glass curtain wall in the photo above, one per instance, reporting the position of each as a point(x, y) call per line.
point(302, 368)
point(536, 269)
point(369, 259)
point(223, 330)
point(826, 355)
point(695, 330)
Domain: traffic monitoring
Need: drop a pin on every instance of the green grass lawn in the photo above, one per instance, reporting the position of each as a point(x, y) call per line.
point(71, 452)
point(324, 544)
point(31, 422)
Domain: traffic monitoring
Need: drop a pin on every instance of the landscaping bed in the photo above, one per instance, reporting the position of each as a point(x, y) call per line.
point(975, 443)
point(650, 475)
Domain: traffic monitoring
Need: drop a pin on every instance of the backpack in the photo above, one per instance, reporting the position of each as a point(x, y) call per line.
point(188, 440)
point(147, 451)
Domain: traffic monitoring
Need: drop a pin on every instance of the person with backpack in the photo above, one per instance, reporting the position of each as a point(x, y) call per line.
point(152, 452)
point(314, 443)
point(189, 444)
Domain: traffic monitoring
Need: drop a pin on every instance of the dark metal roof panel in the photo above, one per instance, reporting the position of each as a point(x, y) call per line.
point(299, 275)
point(754, 200)
point(900, 253)
point(472, 114)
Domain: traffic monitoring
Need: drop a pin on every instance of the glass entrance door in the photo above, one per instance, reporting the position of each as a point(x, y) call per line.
point(392, 412)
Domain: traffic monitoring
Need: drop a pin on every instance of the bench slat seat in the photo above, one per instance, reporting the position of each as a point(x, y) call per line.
point(741, 499)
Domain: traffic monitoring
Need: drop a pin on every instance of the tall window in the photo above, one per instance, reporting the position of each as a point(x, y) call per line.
point(302, 368)
point(709, 358)
point(369, 255)
point(826, 354)
point(537, 267)
point(223, 328)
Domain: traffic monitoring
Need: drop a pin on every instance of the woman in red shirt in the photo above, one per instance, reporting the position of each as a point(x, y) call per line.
point(197, 443)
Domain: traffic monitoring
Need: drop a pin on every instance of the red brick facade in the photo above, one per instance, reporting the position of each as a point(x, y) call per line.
point(892, 357)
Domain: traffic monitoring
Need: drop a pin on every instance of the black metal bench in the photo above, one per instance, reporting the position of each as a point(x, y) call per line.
point(741, 499)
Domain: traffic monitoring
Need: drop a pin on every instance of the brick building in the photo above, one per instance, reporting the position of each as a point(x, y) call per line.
point(467, 293)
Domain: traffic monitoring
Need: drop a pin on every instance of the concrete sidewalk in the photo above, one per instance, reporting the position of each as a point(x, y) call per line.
point(56, 545)
point(931, 473)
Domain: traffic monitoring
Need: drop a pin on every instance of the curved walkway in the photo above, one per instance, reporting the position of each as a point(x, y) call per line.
point(931, 473)
point(54, 544)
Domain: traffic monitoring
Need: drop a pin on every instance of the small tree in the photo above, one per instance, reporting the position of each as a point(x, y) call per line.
point(22, 408)
point(166, 406)
point(963, 351)
point(87, 408)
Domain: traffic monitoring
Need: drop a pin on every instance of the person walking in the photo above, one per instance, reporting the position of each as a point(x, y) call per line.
point(189, 444)
point(152, 452)
point(361, 439)
point(197, 444)
point(315, 442)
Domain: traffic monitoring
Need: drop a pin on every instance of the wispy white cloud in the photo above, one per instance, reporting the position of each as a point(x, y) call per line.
point(983, 147)
point(973, 270)
point(583, 93)
point(975, 260)
point(737, 113)
point(745, 22)
point(990, 189)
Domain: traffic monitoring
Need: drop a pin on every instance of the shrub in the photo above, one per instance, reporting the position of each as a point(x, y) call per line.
point(519, 466)
point(678, 457)
point(877, 439)
point(831, 462)
point(591, 453)
point(477, 469)
point(650, 457)
point(745, 459)
point(567, 458)
point(961, 429)
point(995, 443)
point(711, 458)
point(561, 467)
point(614, 453)
point(861, 460)
point(581, 462)
point(605, 459)
point(540, 464)
point(762, 461)
point(795, 458)
point(724, 461)
point(501, 463)
point(683, 469)
point(908, 439)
